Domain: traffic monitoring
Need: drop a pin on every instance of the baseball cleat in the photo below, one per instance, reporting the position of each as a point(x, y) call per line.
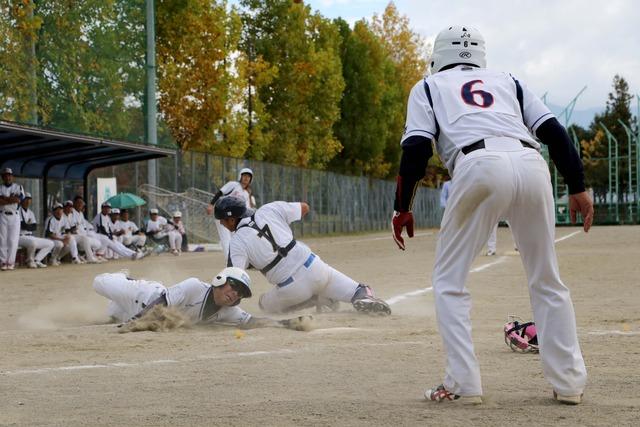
point(41, 265)
point(372, 305)
point(491, 252)
point(441, 394)
point(32, 264)
point(567, 400)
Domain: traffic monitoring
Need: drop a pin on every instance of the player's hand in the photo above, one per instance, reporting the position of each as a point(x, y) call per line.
point(398, 222)
point(581, 202)
point(209, 209)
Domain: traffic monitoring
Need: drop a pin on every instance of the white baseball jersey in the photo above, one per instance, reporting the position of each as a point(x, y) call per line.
point(78, 220)
point(102, 224)
point(234, 188)
point(28, 217)
point(12, 189)
point(157, 225)
point(465, 100)
point(192, 296)
point(55, 226)
point(247, 248)
point(129, 227)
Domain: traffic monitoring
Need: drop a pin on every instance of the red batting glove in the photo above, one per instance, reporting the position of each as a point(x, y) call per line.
point(398, 222)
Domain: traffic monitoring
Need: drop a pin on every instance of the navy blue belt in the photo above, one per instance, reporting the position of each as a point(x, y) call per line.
point(480, 144)
point(306, 264)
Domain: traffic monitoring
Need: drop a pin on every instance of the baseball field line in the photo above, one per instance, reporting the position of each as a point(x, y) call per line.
point(397, 298)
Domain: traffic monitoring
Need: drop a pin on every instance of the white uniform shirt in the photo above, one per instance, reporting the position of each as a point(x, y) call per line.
point(78, 220)
point(157, 225)
point(55, 226)
point(463, 100)
point(191, 294)
point(129, 227)
point(8, 191)
point(104, 221)
point(28, 217)
point(234, 188)
point(179, 226)
point(247, 248)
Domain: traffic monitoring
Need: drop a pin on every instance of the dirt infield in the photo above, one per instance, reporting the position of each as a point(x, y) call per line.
point(60, 365)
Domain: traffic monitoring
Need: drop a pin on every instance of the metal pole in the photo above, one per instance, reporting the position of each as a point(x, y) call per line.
point(151, 113)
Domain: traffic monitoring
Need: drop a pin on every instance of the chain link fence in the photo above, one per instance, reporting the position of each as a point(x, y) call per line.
point(339, 203)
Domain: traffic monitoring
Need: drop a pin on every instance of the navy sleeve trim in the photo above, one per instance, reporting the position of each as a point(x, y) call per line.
point(540, 118)
point(428, 93)
point(519, 96)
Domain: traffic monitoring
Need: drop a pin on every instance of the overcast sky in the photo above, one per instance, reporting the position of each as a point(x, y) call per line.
point(554, 46)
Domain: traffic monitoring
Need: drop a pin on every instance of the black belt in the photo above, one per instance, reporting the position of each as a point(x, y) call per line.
point(480, 144)
point(8, 213)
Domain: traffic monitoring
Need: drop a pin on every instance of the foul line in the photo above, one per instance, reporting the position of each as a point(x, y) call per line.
point(371, 239)
point(145, 363)
point(398, 298)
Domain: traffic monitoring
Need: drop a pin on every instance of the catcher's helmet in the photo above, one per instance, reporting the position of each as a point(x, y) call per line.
point(521, 336)
point(237, 278)
point(458, 45)
point(231, 207)
point(243, 171)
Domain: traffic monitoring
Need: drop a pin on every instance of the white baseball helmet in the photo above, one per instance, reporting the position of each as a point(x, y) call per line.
point(458, 45)
point(237, 278)
point(243, 171)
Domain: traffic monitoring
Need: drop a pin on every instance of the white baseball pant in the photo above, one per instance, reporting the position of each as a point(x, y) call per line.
point(9, 235)
point(487, 185)
point(32, 243)
point(117, 247)
point(88, 245)
point(127, 296)
point(137, 240)
point(224, 236)
point(313, 278)
point(175, 240)
point(492, 243)
point(60, 250)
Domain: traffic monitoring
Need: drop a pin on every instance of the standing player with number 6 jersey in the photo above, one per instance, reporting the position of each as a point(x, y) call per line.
point(483, 124)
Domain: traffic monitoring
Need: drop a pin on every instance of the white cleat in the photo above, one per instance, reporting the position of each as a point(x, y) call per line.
point(32, 264)
point(568, 400)
point(41, 265)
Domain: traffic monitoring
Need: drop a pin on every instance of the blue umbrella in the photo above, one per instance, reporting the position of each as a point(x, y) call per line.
point(125, 201)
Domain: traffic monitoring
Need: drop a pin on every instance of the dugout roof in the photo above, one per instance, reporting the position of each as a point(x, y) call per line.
point(39, 153)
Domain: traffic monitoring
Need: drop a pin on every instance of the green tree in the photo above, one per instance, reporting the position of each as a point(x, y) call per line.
point(91, 65)
point(367, 103)
point(301, 101)
point(18, 78)
point(595, 143)
point(407, 51)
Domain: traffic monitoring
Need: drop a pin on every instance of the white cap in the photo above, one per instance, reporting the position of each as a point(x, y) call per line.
point(68, 203)
point(27, 196)
point(56, 205)
point(153, 211)
point(177, 214)
point(7, 170)
point(106, 205)
point(115, 211)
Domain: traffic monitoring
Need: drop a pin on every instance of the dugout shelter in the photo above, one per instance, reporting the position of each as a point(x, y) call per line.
point(43, 154)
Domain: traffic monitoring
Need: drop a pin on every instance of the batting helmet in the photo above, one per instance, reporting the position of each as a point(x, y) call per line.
point(237, 278)
point(521, 337)
point(458, 45)
point(231, 207)
point(243, 171)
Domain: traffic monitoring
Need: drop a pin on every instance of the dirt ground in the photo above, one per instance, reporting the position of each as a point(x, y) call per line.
point(61, 365)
